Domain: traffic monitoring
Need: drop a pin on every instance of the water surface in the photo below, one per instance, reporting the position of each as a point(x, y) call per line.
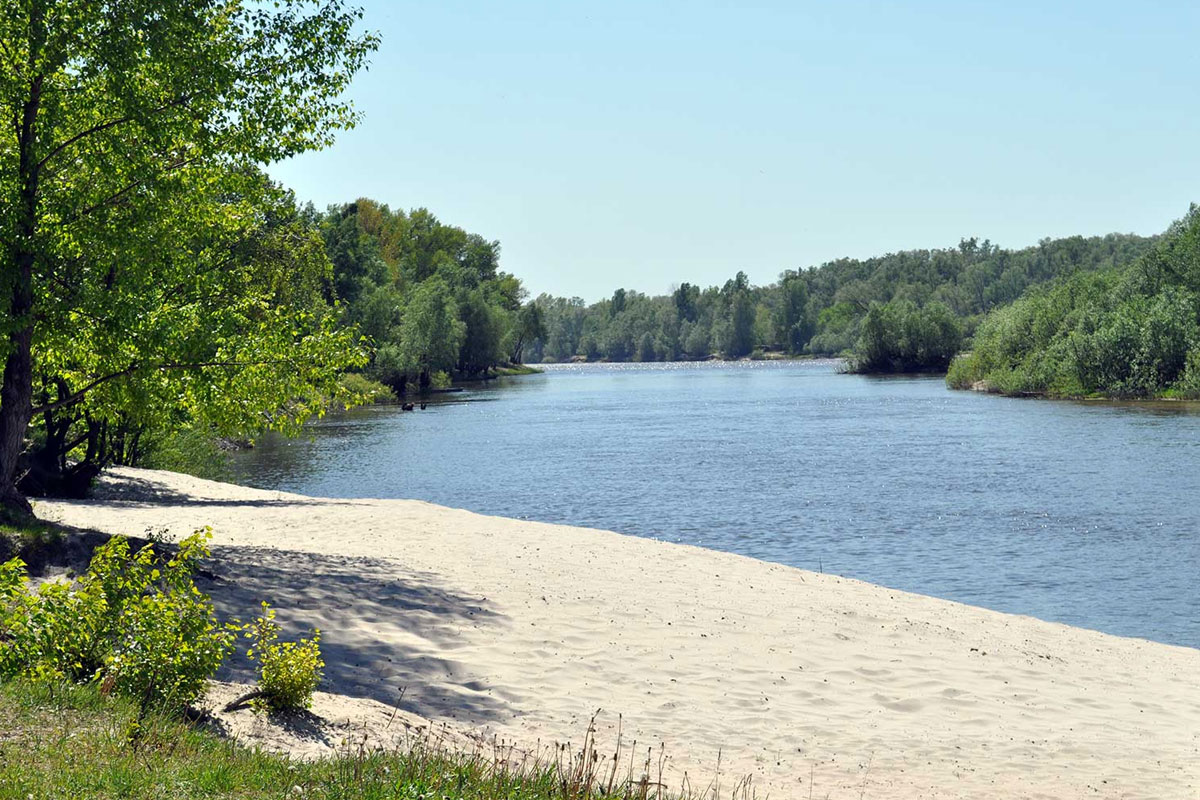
point(1080, 513)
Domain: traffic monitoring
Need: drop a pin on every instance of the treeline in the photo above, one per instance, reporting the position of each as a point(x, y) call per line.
point(1131, 332)
point(899, 312)
point(430, 297)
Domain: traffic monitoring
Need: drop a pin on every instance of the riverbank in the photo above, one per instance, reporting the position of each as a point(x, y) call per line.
point(807, 682)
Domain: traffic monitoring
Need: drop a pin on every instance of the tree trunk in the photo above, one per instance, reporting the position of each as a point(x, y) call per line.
point(16, 391)
point(16, 409)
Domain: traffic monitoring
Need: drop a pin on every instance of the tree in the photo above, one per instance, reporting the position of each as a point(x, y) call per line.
point(226, 326)
point(618, 303)
point(741, 324)
point(484, 328)
point(121, 111)
point(431, 334)
point(530, 327)
point(900, 337)
point(794, 329)
point(686, 297)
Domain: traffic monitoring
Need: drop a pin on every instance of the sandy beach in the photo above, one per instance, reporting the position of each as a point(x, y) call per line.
point(814, 685)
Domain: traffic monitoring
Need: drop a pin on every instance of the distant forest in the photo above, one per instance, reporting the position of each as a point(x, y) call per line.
point(899, 312)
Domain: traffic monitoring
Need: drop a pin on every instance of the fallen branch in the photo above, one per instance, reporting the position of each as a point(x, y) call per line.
point(243, 701)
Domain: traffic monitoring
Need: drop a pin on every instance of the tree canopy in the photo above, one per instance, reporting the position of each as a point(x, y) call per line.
point(431, 296)
point(141, 245)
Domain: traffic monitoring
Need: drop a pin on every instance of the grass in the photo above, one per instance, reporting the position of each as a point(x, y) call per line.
point(505, 370)
point(62, 742)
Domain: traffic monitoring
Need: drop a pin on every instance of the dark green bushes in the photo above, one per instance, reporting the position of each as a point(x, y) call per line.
point(901, 337)
point(1134, 333)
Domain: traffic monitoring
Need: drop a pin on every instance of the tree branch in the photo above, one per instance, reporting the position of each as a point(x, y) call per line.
point(124, 190)
point(130, 370)
point(112, 123)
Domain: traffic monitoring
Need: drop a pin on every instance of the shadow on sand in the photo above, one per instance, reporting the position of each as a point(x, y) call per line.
point(144, 491)
point(386, 633)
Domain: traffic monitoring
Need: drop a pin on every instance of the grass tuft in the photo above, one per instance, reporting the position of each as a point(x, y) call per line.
point(60, 742)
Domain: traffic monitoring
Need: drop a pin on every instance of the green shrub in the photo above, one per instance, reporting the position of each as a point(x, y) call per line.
point(169, 641)
point(139, 626)
point(963, 372)
point(66, 631)
point(363, 390)
point(289, 672)
point(12, 610)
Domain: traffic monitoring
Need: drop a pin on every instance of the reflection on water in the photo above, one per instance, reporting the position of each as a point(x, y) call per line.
point(1078, 512)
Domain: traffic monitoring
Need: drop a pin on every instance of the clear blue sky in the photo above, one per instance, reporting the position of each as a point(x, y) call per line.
point(642, 144)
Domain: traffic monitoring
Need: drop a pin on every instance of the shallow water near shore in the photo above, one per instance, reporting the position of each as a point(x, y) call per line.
point(1078, 513)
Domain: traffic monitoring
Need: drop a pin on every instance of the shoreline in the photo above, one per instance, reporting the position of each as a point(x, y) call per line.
point(522, 630)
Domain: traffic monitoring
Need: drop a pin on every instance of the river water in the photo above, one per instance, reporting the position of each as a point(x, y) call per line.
point(1084, 513)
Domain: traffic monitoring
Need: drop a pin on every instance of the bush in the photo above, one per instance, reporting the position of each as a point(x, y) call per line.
point(138, 626)
point(66, 631)
point(169, 641)
point(289, 672)
point(12, 594)
point(363, 390)
point(1128, 333)
point(901, 337)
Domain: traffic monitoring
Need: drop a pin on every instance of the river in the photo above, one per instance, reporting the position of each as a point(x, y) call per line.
point(1084, 513)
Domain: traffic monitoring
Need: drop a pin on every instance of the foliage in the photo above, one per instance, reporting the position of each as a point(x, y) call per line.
point(289, 672)
point(431, 296)
point(362, 389)
point(229, 332)
point(65, 631)
point(137, 625)
point(900, 337)
point(64, 741)
point(819, 310)
point(1133, 332)
point(151, 273)
point(169, 641)
point(12, 615)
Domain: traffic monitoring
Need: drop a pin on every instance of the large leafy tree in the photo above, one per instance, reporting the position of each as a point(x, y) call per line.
point(227, 327)
point(426, 341)
point(117, 114)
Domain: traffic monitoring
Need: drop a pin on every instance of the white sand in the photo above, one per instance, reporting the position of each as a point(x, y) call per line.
point(523, 630)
